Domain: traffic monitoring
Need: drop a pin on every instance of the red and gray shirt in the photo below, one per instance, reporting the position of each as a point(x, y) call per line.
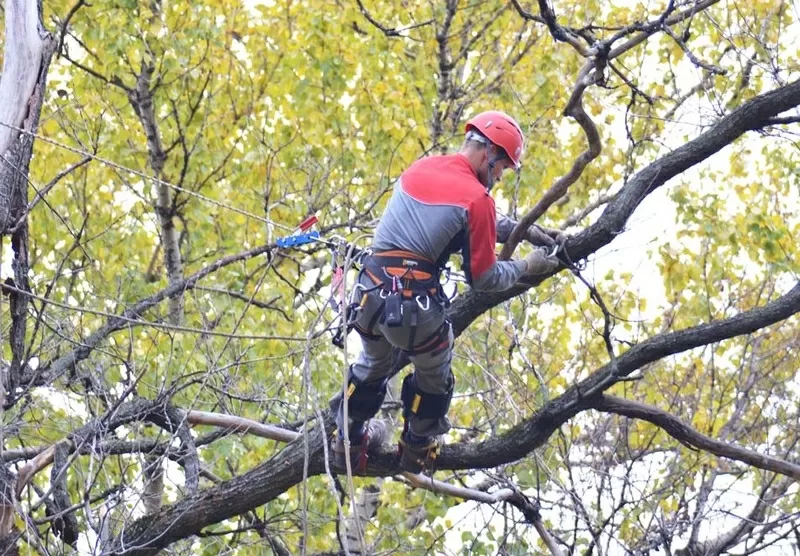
point(439, 208)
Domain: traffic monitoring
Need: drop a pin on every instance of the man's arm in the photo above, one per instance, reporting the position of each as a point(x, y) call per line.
point(483, 271)
point(536, 235)
point(505, 226)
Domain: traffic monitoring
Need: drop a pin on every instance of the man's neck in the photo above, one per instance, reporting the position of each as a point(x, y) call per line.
point(474, 159)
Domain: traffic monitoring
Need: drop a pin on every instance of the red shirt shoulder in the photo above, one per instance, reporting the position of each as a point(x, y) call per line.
point(443, 180)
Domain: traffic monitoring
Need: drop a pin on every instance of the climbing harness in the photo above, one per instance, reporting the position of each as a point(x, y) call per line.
point(410, 282)
point(398, 276)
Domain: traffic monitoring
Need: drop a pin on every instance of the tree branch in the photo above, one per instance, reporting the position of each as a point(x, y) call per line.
point(529, 509)
point(691, 438)
point(65, 24)
point(286, 469)
point(592, 72)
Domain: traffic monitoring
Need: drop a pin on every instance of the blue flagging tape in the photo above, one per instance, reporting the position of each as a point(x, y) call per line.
point(297, 240)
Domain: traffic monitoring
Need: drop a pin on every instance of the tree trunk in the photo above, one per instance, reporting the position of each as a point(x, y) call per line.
point(28, 46)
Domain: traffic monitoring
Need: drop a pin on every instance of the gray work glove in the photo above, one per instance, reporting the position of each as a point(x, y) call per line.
point(540, 261)
point(548, 237)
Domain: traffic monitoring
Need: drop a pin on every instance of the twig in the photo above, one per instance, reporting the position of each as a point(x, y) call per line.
point(40, 194)
point(694, 59)
point(388, 31)
point(636, 90)
point(585, 211)
point(65, 24)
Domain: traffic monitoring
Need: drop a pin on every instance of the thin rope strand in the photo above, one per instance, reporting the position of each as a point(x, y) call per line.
point(146, 176)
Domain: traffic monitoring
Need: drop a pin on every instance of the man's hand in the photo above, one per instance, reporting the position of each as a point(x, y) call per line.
point(547, 237)
point(539, 261)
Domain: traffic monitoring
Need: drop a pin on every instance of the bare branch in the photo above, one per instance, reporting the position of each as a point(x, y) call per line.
point(585, 211)
point(46, 189)
point(236, 424)
point(780, 121)
point(689, 54)
point(388, 31)
point(688, 436)
point(590, 74)
point(64, 24)
point(511, 495)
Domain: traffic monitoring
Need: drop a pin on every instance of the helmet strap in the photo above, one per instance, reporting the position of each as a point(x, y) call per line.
point(490, 174)
point(490, 168)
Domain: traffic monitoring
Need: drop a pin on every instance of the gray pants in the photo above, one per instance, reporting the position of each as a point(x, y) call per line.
point(374, 363)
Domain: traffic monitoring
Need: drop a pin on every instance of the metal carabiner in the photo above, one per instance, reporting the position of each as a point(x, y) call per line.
point(427, 302)
point(383, 293)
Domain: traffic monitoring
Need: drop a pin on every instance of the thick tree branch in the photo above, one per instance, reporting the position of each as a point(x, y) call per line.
point(534, 431)
point(65, 524)
point(750, 115)
point(286, 469)
point(688, 436)
point(20, 70)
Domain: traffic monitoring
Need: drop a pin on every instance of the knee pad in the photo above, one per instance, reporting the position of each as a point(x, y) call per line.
point(364, 399)
point(422, 404)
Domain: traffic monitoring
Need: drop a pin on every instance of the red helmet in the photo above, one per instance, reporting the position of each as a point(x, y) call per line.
point(502, 130)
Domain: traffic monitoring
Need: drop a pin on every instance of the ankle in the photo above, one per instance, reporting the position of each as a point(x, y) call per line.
point(355, 431)
point(415, 439)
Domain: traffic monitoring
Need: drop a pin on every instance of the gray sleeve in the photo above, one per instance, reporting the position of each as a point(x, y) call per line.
point(505, 226)
point(501, 276)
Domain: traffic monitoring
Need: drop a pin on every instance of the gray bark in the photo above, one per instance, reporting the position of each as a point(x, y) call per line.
point(27, 59)
point(141, 99)
point(25, 42)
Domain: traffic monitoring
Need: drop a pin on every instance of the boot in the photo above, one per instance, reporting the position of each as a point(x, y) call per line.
point(418, 453)
point(375, 433)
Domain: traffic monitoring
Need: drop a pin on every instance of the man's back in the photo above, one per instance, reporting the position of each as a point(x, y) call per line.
point(435, 202)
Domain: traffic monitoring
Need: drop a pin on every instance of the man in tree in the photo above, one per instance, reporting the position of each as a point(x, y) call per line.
point(441, 205)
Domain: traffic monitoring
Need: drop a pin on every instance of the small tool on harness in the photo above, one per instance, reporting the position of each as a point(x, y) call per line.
point(394, 307)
